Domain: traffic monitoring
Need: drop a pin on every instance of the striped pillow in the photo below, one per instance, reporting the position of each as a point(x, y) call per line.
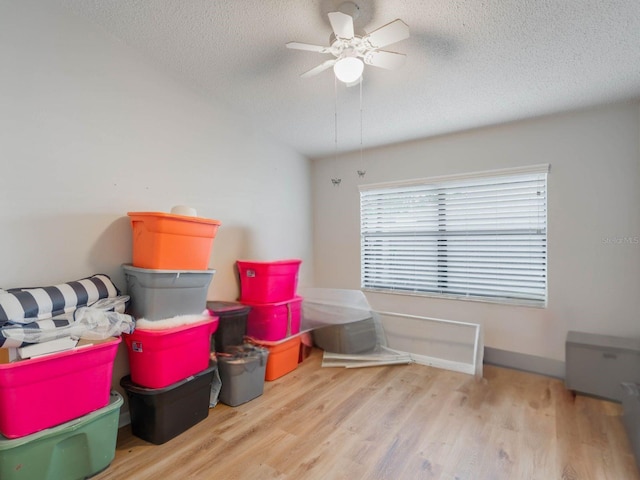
point(24, 305)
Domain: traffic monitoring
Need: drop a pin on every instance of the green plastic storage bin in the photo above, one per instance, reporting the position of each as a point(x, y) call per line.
point(74, 450)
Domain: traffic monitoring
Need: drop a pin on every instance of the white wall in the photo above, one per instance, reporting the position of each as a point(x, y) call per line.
point(89, 130)
point(594, 202)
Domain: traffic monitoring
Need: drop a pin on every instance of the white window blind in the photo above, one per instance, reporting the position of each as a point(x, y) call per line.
point(480, 236)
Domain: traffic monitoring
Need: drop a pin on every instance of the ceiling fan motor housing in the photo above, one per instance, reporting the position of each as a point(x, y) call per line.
point(346, 43)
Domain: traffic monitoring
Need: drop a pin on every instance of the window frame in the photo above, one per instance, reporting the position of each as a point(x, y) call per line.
point(445, 182)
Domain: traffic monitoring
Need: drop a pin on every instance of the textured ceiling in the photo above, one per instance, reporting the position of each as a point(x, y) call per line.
point(470, 63)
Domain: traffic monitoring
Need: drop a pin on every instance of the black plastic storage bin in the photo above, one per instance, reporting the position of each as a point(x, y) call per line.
point(160, 414)
point(232, 324)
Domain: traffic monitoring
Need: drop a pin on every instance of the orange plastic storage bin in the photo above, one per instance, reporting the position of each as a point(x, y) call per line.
point(165, 241)
point(283, 356)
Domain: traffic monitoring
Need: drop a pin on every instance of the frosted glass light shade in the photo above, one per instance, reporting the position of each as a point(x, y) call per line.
point(348, 69)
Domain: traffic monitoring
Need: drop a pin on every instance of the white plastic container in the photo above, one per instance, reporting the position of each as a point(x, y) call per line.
point(322, 307)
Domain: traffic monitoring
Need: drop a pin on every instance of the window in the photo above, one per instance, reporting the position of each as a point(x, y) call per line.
point(481, 236)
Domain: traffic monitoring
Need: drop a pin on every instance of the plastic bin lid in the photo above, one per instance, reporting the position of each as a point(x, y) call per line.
point(174, 324)
point(326, 306)
point(152, 271)
point(276, 343)
point(220, 307)
point(236, 353)
point(115, 402)
point(296, 299)
point(334, 297)
point(598, 342)
point(129, 386)
point(272, 262)
point(186, 218)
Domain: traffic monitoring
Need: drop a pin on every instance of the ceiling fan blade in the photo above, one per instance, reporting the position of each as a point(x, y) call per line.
point(320, 68)
point(342, 24)
point(384, 59)
point(386, 35)
point(308, 47)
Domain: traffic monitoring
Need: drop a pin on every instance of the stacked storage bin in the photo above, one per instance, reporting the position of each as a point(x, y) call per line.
point(241, 366)
point(269, 288)
point(59, 403)
point(58, 416)
point(169, 352)
point(170, 273)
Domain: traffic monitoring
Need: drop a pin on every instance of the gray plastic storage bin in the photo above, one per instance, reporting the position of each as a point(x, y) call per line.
point(353, 337)
point(159, 294)
point(598, 364)
point(631, 416)
point(242, 374)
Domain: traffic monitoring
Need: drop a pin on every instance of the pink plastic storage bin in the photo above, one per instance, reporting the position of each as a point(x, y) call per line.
point(159, 358)
point(268, 282)
point(47, 391)
point(274, 321)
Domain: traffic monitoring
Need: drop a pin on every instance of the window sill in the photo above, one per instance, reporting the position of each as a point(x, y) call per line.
point(441, 296)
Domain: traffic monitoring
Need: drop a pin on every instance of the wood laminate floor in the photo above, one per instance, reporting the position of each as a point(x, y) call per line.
point(394, 422)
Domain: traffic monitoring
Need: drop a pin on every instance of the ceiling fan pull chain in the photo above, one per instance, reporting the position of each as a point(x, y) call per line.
point(335, 181)
point(362, 172)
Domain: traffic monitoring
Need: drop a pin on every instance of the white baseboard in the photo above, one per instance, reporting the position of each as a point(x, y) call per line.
point(524, 362)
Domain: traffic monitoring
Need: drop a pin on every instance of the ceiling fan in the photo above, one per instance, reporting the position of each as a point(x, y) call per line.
point(353, 51)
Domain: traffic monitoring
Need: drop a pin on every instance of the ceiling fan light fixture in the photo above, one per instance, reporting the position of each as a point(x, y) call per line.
point(348, 69)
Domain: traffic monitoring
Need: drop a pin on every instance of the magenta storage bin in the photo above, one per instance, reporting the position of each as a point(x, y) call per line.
point(159, 358)
point(47, 391)
point(268, 282)
point(274, 321)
